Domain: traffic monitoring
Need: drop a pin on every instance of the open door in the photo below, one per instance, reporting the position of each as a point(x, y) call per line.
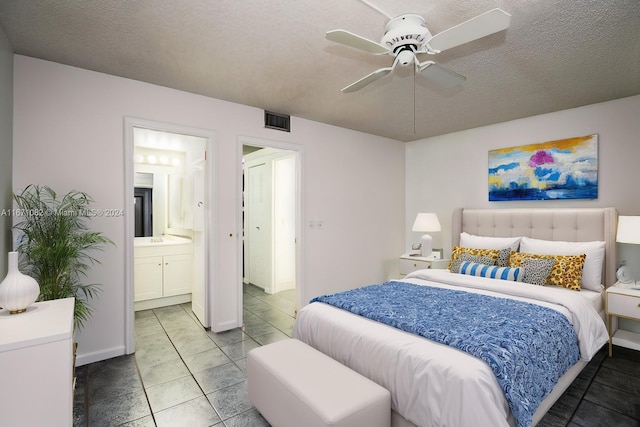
point(199, 296)
point(284, 225)
point(258, 227)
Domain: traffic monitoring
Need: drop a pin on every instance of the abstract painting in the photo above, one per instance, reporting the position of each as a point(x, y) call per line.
point(562, 169)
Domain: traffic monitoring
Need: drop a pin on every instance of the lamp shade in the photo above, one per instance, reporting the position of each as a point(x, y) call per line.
point(628, 230)
point(426, 222)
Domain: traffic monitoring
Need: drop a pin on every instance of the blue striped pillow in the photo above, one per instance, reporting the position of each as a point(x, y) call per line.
point(492, 271)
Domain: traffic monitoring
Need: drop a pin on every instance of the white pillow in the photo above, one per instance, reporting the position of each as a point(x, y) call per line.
point(481, 242)
point(592, 270)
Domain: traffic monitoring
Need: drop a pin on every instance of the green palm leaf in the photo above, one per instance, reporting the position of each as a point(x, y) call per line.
point(57, 247)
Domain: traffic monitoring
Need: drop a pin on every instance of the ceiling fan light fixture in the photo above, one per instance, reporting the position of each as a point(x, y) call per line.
point(406, 57)
point(407, 35)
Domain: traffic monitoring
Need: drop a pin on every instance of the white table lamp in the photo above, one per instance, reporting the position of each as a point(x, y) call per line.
point(428, 223)
point(628, 232)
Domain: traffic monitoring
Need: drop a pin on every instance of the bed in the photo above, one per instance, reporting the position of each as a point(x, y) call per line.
point(433, 383)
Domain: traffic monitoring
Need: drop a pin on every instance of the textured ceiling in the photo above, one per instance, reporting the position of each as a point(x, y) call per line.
point(557, 54)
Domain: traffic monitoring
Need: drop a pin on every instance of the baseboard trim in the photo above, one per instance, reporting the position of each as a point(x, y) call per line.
point(161, 302)
point(97, 356)
point(226, 326)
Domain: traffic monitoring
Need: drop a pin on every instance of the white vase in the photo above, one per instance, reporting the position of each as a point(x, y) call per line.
point(17, 291)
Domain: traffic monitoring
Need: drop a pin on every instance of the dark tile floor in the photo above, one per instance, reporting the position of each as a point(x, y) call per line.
point(182, 375)
point(606, 393)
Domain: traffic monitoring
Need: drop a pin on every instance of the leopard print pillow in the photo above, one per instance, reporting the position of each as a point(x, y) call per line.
point(566, 270)
point(482, 256)
point(503, 257)
point(480, 259)
point(537, 270)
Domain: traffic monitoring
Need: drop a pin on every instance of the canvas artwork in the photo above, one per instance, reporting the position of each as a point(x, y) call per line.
point(562, 169)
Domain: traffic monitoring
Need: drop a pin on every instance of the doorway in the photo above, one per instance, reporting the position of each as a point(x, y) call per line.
point(270, 221)
point(168, 236)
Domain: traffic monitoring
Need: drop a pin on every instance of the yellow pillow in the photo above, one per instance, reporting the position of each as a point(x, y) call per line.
point(459, 250)
point(566, 272)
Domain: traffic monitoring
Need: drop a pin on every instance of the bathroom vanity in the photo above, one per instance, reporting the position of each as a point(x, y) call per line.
point(163, 271)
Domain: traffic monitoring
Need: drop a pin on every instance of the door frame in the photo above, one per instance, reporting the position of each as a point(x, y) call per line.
point(298, 151)
point(210, 218)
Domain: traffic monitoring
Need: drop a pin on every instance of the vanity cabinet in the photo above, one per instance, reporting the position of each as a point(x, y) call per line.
point(177, 274)
point(148, 277)
point(162, 271)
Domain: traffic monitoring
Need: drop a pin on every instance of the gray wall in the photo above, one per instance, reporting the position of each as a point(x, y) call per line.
point(6, 147)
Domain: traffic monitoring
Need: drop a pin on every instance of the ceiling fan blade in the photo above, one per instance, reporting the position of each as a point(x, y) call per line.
point(354, 40)
point(440, 75)
point(368, 79)
point(475, 28)
point(377, 9)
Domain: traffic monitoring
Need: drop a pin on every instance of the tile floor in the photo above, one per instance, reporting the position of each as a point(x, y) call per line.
point(182, 375)
point(605, 394)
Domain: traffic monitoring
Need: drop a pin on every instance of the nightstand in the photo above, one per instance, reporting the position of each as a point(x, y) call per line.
point(410, 263)
point(621, 301)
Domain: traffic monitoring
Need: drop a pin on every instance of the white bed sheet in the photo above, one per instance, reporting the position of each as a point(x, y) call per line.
point(596, 298)
point(431, 383)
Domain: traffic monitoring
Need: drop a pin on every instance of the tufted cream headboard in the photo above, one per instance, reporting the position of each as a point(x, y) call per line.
point(571, 225)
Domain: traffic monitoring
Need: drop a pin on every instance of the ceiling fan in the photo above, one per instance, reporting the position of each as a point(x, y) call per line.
point(407, 35)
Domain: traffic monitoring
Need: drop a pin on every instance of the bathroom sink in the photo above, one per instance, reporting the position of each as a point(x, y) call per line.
point(165, 240)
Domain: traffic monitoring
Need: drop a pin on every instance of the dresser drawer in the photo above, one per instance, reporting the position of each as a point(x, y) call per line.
point(623, 305)
point(409, 265)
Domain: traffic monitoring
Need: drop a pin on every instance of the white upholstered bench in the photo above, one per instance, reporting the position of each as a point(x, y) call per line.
point(292, 384)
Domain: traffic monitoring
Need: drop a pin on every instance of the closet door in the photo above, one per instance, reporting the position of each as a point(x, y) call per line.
point(258, 238)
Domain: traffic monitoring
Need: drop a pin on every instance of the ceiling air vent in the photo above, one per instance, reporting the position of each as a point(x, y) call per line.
point(277, 121)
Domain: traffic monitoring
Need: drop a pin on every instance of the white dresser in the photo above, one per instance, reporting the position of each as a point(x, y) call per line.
point(36, 365)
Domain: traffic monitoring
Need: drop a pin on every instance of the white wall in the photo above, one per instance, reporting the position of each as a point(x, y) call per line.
point(6, 147)
point(450, 171)
point(68, 133)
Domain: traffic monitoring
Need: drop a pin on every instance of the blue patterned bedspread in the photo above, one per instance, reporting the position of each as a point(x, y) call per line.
point(528, 347)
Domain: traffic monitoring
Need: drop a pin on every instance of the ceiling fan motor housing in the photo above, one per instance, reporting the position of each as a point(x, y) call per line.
point(409, 30)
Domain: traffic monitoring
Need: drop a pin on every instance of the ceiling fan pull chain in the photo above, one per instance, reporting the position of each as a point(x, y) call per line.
point(414, 99)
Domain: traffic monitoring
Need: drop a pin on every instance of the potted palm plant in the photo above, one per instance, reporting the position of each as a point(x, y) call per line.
point(56, 245)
